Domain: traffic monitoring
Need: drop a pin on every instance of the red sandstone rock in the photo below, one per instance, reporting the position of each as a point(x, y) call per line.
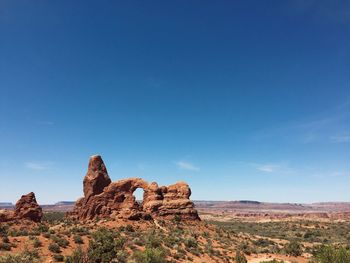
point(104, 199)
point(96, 178)
point(26, 208)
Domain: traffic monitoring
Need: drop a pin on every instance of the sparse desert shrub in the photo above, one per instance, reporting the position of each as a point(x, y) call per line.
point(150, 255)
point(153, 241)
point(5, 239)
point(293, 248)
point(36, 242)
point(3, 230)
point(191, 242)
point(326, 254)
point(17, 233)
point(58, 257)
point(240, 258)
point(62, 242)
point(42, 228)
point(80, 230)
point(208, 247)
point(78, 256)
point(129, 228)
point(78, 239)
point(263, 242)
point(5, 246)
point(55, 248)
point(245, 248)
point(104, 246)
point(53, 217)
point(121, 257)
point(24, 257)
point(177, 219)
point(138, 241)
point(273, 261)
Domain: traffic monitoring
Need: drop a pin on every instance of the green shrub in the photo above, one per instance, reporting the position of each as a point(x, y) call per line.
point(150, 255)
point(104, 246)
point(62, 242)
point(3, 230)
point(53, 217)
point(273, 261)
point(36, 242)
point(78, 239)
point(5, 246)
point(190, 242)
point(55, 248)
point(24, 257)
point(129, 228)
point(153, 241)
point(240, 258)
point(5, 239)
point(326, 254)
point(58, 257)
point(42, 228)
point(293, 248)
point(78, 256)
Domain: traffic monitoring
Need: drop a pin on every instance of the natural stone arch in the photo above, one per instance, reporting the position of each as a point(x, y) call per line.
point(106, 199)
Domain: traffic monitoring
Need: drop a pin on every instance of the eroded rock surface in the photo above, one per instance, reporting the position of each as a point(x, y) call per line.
point(26, 208)
point(106, 199)
point(96, 178)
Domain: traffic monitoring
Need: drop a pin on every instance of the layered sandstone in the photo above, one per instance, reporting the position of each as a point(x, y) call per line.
point(26, 208)
point(106, 199)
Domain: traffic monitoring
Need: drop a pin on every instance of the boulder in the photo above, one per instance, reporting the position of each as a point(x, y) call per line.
point(26, 208)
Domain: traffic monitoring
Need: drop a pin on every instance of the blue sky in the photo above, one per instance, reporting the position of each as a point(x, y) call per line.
point(241, 99)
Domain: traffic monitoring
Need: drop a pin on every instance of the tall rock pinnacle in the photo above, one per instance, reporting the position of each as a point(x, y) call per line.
point(96, 178)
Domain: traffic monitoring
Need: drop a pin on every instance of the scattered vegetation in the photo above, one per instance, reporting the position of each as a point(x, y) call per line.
point(174, 242)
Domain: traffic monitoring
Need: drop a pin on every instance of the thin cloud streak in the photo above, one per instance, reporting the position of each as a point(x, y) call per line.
point(187, 166)
point(321, 129)
point(340, 138)
point(38, 166)
point(269, 168)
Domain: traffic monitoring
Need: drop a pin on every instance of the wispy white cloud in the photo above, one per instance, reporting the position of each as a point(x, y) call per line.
point(329, 127)
point(340, 138)
point(268, 168)
point(333, 174)
point(38, 166)
point(282, 168)
point(187, 166)
point(141, 166)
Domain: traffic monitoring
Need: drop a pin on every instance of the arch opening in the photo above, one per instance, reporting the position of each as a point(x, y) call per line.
point(138, 193)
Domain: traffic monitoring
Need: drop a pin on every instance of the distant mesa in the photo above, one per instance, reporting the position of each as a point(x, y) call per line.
point(249, 202)
point(26, 208)
point(106, 199)
point(5, 204)
point(61, 203)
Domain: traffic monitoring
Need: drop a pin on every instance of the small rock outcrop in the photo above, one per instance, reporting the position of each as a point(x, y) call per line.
point(106, 199)
point(26, 208)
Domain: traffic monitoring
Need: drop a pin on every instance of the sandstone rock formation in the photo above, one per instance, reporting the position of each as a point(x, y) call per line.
point(106, 199)
point(96, 178)
point(26, 208)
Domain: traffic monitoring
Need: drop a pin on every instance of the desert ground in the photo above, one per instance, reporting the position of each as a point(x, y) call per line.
point(239, 231)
